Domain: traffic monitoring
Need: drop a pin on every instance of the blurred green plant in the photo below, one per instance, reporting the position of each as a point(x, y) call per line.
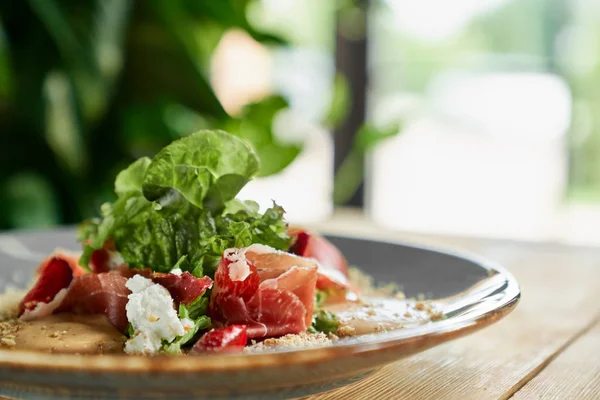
point(88, 86)
point(350, 173)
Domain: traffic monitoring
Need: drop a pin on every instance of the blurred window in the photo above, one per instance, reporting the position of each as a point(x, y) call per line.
point(500, 136)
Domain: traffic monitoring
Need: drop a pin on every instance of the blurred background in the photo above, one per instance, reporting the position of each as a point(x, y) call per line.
point(469, 117)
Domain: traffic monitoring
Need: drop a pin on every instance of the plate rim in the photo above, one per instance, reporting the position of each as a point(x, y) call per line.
point(423, 336)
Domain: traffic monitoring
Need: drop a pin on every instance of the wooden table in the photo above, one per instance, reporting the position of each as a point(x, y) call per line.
point(548, 348)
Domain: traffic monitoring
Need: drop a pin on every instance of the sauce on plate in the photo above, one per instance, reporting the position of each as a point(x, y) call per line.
point(69, 333)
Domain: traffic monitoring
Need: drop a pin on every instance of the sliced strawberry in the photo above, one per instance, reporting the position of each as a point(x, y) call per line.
point(55, 274)
point(231, 339)
point(101, 260)
point(333, 271)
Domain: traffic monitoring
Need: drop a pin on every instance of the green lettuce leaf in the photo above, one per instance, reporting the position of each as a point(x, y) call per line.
point(324, 321)
point(175, 346)
point(241, 229)
point(178, 209)
point(196, 311)
point(320, 298)
point(159, 240)
point(207, 168)
point(128, 210)
point(132, 178)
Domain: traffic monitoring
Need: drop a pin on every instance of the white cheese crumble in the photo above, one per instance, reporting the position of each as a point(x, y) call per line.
point(176, 271)
point(261, 249)
point(238, 267)
point(115, 259)
point(150, 311)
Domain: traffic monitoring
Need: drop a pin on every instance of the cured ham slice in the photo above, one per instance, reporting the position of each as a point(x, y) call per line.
point(279, 312)
point(103, 293)
point(55, 275)
point(269, 291)
point(183, 288)
point(231, 339)
point(57, 290)
point(333, 267)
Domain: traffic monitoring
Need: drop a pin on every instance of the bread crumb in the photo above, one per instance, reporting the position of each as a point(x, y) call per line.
point(57, 334)
point(9, 301)
point(420, 306)
point(437, 315)
point(303, 339)
point(8, 341)
point(7, 330)
point(366, 286)
point(345, 331)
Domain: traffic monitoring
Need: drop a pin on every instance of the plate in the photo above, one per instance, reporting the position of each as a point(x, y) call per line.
point(472, 293)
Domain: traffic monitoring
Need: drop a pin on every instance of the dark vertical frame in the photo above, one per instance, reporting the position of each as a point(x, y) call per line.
point(351, 61)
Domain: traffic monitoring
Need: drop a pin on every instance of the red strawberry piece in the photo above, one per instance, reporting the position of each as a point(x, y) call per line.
point(55, 274)
point(333, 267)
point(99, 261)
point(231, 339)
point(71, 259)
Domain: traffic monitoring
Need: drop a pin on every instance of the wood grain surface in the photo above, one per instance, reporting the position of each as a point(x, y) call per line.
point(573, 374)
point(549, 347)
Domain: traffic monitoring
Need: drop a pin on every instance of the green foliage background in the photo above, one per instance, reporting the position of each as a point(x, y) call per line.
point(87, 86)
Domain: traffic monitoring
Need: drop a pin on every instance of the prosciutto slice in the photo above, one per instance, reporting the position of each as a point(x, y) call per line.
point(58, 291)
point(183, 288)
point(333, 267)
point(55, 275)
point(269, 291)
point(63, 286)
point(103, 293)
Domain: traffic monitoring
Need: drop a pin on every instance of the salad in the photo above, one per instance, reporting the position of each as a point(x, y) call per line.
point(178, 265)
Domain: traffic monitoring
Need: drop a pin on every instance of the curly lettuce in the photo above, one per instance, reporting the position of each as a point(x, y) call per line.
point(179, 208)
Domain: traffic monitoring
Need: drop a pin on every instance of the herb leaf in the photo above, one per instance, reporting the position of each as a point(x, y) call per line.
point(207, 168)
point(132, 178)
point(324, 321)
point(320, 298)
point(195, 311)
point(179, 208)
point(175, 346)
